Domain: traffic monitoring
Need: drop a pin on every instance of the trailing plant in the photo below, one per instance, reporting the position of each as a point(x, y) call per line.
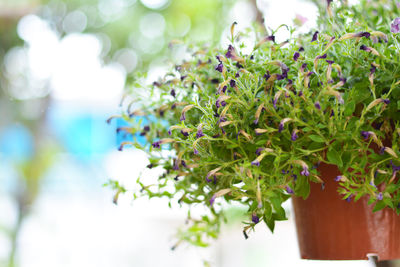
point(251, 129)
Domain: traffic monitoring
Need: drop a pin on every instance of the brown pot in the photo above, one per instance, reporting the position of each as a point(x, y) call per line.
point(329, 228)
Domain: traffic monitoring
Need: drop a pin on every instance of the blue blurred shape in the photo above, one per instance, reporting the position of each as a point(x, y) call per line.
point(16, 143)
point(123, 136)
point(81, 133)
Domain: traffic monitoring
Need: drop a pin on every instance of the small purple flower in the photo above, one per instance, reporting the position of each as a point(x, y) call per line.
point(337, 178)
point(322, 57)
point(219, 67)
point(232, 83)
point(199, 133)
point(330, 62)
point(294, 136)
point(382, 150)
point(270, 38)
point(237, 75)
point(170, 132)
point(300, 93)
point(305, 171)
point(212, 200)
point(156, 144)
point(280, 129)
point(173, 93)
point(315, 36)
point(301, 49)
point(255, 163)
point(185, 133)
point(289, 190)
point(296, 56)
point(294, 177)
point(379, 196)
point(176, 165)
point(332, 113)
point(195, 151)
point(365, 134)
point(259, 150)
point(395, 26)
point(363, 34)
point(394, 167)
point(349, 198)
point(317, 105)
point(372, 69)
point(183, 163)
point(255, 218)
point(231, 52)
point(303, 67)
point(386, 101)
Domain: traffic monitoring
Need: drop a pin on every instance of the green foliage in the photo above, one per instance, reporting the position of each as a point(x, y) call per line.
point(251, 129)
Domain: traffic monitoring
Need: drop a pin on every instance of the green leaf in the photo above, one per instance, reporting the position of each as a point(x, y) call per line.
point(379, 205)
point(350, 107)
point(270, 223)
point(334, 157)
point(316, 138)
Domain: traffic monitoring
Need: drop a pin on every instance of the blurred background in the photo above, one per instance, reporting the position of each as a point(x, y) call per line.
point(64, 65)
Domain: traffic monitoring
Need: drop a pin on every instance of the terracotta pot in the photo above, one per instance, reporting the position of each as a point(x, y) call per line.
point(329, 228)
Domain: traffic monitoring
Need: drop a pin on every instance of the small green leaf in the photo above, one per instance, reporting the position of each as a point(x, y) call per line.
point(379, 205)
point(334, 157)
point(316, 138)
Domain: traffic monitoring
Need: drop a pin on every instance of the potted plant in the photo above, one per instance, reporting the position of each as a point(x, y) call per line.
point(315, 117)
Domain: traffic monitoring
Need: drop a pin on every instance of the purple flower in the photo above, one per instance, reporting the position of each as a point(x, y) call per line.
point(169, 131)
point(270, 38)
point(301, 49)
point(322, 57)
point(300, 93)
point(296, 56)
point(232, 83)
point(259, 150)
point(337, 178)
point(372, 69)
point(183, 163)
point(315, 36)
point(156, 144)
point(305, 171)
point(330, 62)
point(183, 117)
point(185, 133)
point(212, 200)
point(176, 165)
point(219, 67)
point(255, 218)
point(362, 34)
point(173, 93)
point(303, 67)
point(365, 134)
point(294, 136)
point(382, 150)
point(317, 105)
point(280, 129)
point(332, 113)
point(379, 196)
point(395, 26)
point(255, 163)
point(289, 190)
point(394, 167)
point(195, 151)
point(231, 52)
point(199, 133)
point(349, 198)
point(386, 101)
